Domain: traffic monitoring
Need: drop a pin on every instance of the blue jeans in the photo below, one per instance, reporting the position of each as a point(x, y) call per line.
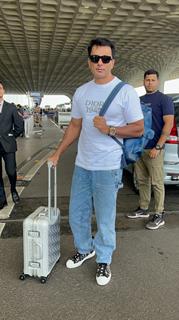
point(98, 189)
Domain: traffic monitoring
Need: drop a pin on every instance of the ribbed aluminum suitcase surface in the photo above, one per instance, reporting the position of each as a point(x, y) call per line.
point(41, 240)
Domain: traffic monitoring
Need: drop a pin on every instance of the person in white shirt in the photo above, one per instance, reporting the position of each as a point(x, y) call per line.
point(97, 174)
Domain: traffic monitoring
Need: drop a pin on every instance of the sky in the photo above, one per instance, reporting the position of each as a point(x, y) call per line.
point(23, 100)
point(171, 86)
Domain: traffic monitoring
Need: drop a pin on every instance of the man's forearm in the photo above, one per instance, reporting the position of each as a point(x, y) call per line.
point(131, 130)
point(165, 132)
point(134, 129)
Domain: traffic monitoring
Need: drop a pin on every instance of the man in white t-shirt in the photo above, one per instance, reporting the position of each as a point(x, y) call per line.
point(97, 174)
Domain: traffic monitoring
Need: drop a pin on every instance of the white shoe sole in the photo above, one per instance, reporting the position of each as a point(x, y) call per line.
point(155, 227)
point(139, 216)
point(71, 265)
point(102, 280)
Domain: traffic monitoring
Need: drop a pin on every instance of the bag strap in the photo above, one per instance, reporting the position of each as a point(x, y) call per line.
point(108, 101)
point(110, 98)
point(119, 142)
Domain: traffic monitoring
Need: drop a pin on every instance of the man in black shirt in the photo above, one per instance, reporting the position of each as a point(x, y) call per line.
point(149, 169)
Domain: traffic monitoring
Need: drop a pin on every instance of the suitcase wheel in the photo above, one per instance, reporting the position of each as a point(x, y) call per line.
point(43, 279)
point(22, 276)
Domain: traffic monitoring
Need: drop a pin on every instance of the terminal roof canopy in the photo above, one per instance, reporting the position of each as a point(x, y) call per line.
point(43, 42)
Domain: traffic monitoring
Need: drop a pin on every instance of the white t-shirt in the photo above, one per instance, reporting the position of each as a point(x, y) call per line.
point(1, 105)
point(98, 151)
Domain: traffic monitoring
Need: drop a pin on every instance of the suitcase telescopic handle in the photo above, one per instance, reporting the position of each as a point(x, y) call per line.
point(50, 166)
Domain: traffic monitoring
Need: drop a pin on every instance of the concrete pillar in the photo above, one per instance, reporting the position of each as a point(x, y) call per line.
point(162, 82)
point(163, 76)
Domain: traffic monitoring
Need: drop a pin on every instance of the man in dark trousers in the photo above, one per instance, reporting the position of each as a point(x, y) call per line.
point(11, 126)
point(149, 168)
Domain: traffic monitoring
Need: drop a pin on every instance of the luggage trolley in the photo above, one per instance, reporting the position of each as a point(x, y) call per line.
point(41, 237)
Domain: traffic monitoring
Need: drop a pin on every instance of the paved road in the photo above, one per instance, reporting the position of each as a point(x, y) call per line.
point(144, 283)
point(35, 194)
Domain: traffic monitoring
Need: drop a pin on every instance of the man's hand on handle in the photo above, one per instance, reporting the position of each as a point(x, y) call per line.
point(54, 159)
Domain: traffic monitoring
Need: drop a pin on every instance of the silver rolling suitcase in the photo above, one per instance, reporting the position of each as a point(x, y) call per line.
point(41, 237)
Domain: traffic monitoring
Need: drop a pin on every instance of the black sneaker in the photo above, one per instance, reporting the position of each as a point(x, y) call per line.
point(78, 259)
point(156, 221)
point(15, 197)
point(103, 274)
point(138, 213)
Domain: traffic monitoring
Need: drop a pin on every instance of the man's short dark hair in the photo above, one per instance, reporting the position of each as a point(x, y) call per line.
point(101, 42)
point(151, 71)
point(2, 83)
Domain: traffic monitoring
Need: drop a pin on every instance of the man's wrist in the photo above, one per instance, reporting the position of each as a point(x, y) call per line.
point(112, 131)
point(159, 146)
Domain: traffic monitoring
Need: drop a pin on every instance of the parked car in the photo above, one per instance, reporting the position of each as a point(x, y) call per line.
point(171, 155)
point(64, 119)
point(65, 107)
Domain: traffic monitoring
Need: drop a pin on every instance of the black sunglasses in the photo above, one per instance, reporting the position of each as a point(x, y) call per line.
point(95, 58)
